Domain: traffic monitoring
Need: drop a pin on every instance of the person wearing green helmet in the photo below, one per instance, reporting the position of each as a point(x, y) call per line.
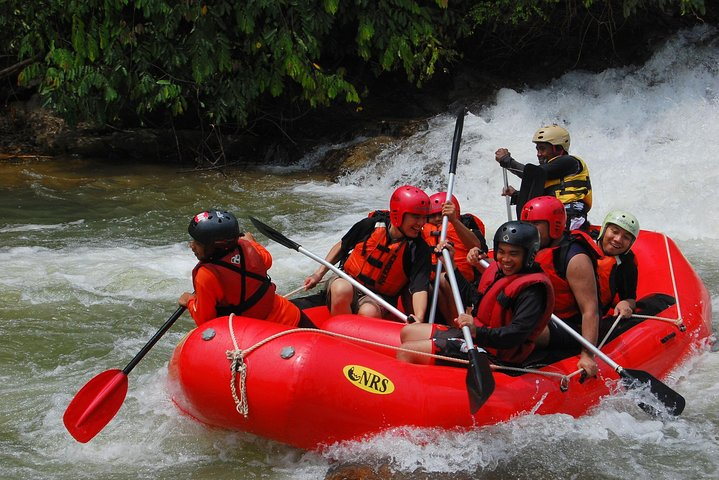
point(617, 271)
point(564, 176)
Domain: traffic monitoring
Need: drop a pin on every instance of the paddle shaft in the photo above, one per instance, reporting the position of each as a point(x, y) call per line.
point(458, 127)
point(151, 343)
point(507, 197)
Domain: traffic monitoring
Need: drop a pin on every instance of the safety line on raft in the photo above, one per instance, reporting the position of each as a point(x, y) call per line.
point(238, 365)
point(674, 280)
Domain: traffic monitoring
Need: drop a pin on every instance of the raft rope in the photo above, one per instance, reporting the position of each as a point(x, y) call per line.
point(606, 337)
point(238, 365)
point(678, 322)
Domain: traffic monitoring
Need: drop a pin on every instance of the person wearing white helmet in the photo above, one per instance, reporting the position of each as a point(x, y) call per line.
point(617, 271)
point(565, 176)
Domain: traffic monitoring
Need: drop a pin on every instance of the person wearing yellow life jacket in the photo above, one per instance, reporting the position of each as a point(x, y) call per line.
point(617, 270)
point(231, 275)
point(566, 176)
point(569, 259)
point(464, 232)
point(388, 256)
point(515, 307)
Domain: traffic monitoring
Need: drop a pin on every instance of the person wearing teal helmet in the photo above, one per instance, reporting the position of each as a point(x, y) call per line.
point(617, 270)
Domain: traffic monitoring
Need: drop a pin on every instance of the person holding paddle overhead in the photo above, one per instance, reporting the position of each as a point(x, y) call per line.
point(516, 302)
point(564, 176)
point(386, 255)
point(464, 232)
point(231, 275)
point(570, 261)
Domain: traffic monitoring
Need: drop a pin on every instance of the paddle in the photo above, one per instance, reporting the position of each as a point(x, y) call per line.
point(630, 378)
point(458, 126)
point(507, 198)
point(278, 237)
point(99, 400)
point(673, 402)
point(479, 380)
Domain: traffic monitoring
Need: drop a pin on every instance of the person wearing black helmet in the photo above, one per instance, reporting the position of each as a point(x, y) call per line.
point(516, 302)
point(231, 275)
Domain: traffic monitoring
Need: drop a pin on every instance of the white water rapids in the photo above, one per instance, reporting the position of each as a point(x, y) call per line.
point(94, 259)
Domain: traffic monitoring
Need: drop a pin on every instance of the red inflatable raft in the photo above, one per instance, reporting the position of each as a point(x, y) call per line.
point(314, 388)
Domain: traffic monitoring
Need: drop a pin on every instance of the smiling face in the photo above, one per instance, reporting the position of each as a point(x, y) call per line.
point(509, 257)
point(412, 224)
point(616, 240)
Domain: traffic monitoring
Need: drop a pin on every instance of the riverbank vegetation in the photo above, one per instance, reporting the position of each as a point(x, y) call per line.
point(265, 75)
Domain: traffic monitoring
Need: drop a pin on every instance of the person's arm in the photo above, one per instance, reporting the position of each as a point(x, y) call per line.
point(465, 235)
point(582, 282)
point(504, 158)
point(202, 305)
point(526, 313)
point(339, 250)
point(627, 277)
point(419, 305)
point(417, 261)
point(332, 257)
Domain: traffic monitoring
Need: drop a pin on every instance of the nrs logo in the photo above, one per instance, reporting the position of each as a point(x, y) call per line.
point(368, 380)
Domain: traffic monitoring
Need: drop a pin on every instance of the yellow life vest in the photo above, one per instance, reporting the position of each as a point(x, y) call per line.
point(572, 188)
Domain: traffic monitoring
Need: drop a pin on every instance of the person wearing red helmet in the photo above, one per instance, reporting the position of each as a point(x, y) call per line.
point(387, 254)
point(464, 232)
point(565, 176)
point(231, 275)
point(515, 306)
point(570, 261)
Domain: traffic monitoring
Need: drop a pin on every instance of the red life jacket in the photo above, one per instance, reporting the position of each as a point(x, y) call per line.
point(242, 270)
point(377, 263)
point(607, 280)
point(431, 234)
point(553, 261)
point(497, 305)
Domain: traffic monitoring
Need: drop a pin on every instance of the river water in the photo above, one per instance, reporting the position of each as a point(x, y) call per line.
point(94, 255)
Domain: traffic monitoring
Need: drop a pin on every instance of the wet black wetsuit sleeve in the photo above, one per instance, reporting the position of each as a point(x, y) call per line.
point(417, 262)
point(527, 311)
point(627, 277)
point(562, 167)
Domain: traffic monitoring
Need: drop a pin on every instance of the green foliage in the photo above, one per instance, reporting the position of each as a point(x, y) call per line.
point(125, 62)
point(137, 62)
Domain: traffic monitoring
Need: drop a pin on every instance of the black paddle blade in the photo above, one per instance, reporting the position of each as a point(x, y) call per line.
point(273, 234)
point(480, 381)
point(673, 402)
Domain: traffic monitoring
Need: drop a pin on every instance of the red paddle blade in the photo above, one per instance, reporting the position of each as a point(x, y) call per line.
point(95, 405)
